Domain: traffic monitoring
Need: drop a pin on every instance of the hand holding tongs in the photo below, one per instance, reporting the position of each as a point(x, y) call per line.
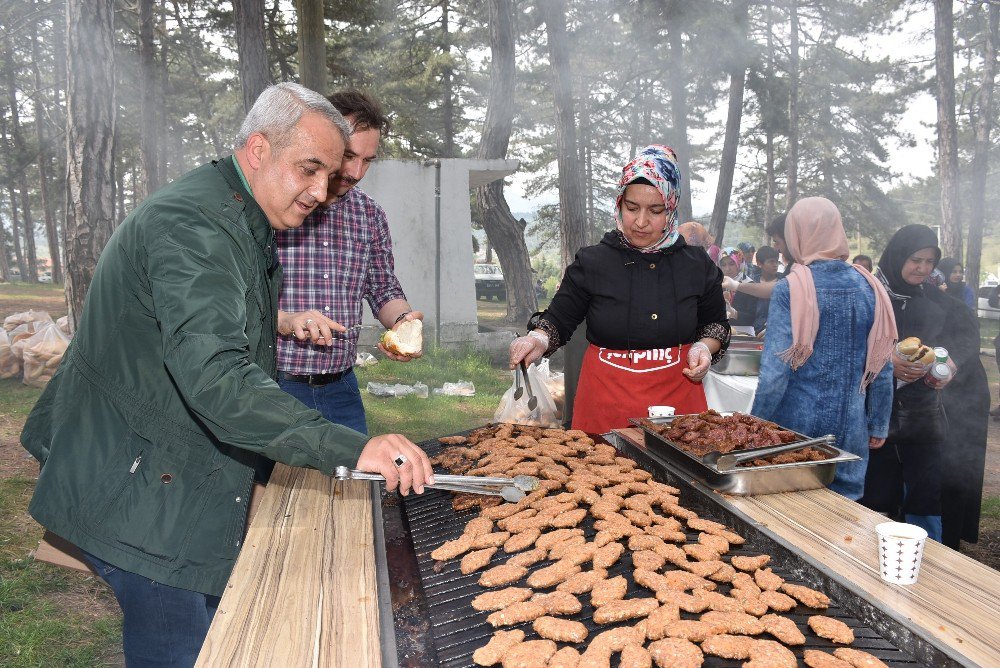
point(532, 399)
point(511, 489)
point(729, 461)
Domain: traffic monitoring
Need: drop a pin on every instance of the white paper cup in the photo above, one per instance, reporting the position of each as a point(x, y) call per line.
point(661, 411)
point(900, 548)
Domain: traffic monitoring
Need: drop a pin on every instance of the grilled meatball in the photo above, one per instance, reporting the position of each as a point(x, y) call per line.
point(609, 590)
point(817, 659)
point(783, 629)
point(750, 564)
point(857, 658)
point(831, 629)
point(728, 646)
point(777, 601)
point(769, 654)
point(738, 623)
point(473, 561)
point(497, 600)
point(530, 654)
point(617, 611)
point(504, 574)
point(563, 630)
point(676, 653)
point(492, 652)
point(559, 603)
point(515, 613)
point(808, 597)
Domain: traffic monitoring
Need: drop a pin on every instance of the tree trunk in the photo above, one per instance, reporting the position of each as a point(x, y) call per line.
point(678, 115)
point(255, 73)
point(447, 75)
point(163, 82)
point(792, 181)
point(947, 129)
point(285, 72)
point(90, 128)
point(4, 258)
point(572, 219)
point(983, 126)
point(727, 167)
point(312, 43)
point(503, 232)
point(149, 107)
point(15, 231)
point(768, 103)
point(21, 162)
point(44, 157)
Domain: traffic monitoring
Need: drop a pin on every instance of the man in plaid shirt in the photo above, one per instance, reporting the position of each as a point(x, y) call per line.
point(341, 254)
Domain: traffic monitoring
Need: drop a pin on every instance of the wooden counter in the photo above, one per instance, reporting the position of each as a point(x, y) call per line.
point(303, 590)
point(955, 602)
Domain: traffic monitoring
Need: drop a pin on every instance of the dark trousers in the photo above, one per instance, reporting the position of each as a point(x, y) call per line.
point(904, 475)
point(339, 401)
point(164, 627)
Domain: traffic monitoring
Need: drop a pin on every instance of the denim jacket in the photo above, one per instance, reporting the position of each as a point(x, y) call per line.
point(823, 396)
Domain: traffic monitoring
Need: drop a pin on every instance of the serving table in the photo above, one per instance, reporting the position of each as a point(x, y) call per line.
point(307, 591)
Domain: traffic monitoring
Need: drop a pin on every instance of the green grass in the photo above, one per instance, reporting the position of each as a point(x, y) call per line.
point(991, 507)
point(988, 329)
point(40, 620)
point(421, 419)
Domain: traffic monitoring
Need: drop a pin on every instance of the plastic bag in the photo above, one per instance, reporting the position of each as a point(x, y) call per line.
point(19, 336)
point(463, 388)
point(365, 359)
point(42, 354)
point(517, 411)
point(25, 317)
point(10, 365)
point(556, 382)
point(418, 389)
point(63, 324)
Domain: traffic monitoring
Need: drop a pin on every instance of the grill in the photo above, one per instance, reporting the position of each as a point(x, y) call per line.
point(435, 624)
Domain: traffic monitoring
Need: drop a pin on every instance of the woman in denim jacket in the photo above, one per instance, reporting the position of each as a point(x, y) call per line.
point(830, 333)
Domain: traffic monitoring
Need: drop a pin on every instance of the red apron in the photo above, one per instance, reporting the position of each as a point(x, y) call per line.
point(615, 385)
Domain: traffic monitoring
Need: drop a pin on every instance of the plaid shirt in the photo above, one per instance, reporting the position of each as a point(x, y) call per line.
point(339, 255)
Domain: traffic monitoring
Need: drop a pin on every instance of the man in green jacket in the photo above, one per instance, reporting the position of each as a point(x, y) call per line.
point(149, 433)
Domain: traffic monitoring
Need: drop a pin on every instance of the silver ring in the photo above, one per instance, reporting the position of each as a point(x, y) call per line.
point(399, 460)
point(309, 320)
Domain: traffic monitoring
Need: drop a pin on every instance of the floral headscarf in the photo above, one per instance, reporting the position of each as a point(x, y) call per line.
point(736, 256)
point(658, 165)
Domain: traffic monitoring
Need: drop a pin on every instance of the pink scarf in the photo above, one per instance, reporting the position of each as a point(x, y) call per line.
point(814, 231)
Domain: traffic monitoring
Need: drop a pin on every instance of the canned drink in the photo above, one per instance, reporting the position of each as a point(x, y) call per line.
point(939, 375)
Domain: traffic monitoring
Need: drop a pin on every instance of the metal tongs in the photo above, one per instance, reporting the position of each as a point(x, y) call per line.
point(511, 489)
point(729, 461)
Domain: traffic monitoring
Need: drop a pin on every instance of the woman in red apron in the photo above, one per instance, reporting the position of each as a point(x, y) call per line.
point(656, 316)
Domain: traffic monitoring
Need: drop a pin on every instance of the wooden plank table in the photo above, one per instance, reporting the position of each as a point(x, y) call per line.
point(303, 591)
point(955, 603)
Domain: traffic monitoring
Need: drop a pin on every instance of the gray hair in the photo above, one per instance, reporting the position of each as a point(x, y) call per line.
point(278, 110)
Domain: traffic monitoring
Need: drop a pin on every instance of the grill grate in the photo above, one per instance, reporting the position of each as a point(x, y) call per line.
point(457, 630)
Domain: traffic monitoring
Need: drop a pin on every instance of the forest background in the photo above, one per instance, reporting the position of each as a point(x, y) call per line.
point(765, 101)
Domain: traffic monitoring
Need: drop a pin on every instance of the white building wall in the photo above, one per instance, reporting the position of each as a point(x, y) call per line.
point(406, 190)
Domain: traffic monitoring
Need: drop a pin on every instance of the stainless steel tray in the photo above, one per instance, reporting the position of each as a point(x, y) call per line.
point(742, 358)
point(751, 480)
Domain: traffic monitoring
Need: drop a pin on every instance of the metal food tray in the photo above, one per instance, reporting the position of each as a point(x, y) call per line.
point(750, 480)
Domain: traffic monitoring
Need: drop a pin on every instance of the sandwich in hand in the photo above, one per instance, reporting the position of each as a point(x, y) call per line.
point(407, 339)
point(912, 350)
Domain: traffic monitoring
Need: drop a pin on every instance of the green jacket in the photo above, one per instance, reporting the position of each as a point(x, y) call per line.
point(149, 432)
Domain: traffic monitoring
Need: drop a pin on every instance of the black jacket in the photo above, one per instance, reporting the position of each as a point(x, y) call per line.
point(638, 301)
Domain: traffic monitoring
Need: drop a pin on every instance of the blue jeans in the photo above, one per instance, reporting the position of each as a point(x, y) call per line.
point(163, 626)
point(339, 401)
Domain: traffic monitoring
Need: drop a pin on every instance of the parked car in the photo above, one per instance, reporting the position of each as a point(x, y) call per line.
point(489, 281)
point(985, 308)
point(45, 278)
